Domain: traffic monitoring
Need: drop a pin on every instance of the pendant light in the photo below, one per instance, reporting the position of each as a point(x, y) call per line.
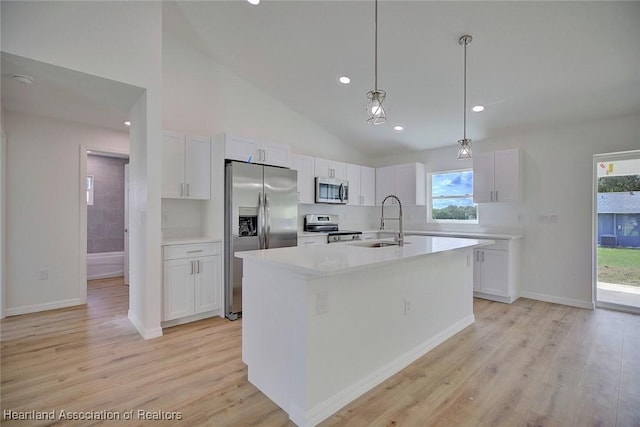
point(464, 152)
point(375, 98)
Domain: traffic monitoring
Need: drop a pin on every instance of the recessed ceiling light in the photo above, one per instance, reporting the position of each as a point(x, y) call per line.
point(27, 80)
point(398, 128)
point(478, 108)
point(344, 80)
point(254, 2)
point(128, 123)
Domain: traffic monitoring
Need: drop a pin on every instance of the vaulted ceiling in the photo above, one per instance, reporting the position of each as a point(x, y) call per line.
point(531, 64)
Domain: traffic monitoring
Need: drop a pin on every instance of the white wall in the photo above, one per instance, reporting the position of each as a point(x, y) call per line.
point(558, 178)
point(120, 41)
point(202, 97)
point(44, 196)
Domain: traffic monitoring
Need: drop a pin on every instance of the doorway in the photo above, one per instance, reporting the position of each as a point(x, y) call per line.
point(107, 236)
point(616, 219)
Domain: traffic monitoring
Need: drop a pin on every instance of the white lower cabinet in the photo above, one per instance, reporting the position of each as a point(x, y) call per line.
point(312, 240)
point(192, 280)
point(496, 271)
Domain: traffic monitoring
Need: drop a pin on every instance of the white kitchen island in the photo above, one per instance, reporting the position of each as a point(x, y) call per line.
point(324, 324)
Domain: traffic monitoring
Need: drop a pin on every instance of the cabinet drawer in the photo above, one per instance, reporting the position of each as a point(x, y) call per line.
point(499, 245)
point(316, 240)
point(192, 250)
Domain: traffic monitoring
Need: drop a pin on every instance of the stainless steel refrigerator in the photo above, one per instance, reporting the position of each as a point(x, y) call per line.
point(261, 212)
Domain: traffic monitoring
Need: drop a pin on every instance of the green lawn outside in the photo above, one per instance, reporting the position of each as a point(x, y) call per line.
point(619, 265)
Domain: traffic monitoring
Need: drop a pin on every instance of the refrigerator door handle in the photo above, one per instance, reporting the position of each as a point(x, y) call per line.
point(260, 222)
point(267, 218)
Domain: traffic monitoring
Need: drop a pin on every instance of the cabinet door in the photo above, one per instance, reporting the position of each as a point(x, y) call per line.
point(330, 168)
point(322, 168)
point(494, 272)
point(241, 149)
point(367, 186)
point(406, 185)
point(353, 176)
point(178, 289)
point(306, 180)
point(207, 284)
point(198, 168)
point(483, 177)
point(385, 182)
point(276, 154)
point(477, 270)
point(507, 176)
point(172, 180)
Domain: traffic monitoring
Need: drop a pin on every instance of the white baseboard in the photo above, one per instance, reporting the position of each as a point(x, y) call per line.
point(325, 409)
point(189, 319)
point(559, 300)
point(25, 309)
point(147, 333)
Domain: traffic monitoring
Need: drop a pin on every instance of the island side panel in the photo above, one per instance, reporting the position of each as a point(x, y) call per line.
point(274, 332)
point(378, 321)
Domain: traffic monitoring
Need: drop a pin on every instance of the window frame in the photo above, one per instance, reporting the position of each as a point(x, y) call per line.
point(430, 199)
point(90, 184)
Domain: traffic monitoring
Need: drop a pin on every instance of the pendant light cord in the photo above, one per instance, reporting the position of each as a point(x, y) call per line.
point(464, 113)
point(376, 48)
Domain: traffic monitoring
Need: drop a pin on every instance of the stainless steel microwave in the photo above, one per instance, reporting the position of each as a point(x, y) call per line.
point(331, 190)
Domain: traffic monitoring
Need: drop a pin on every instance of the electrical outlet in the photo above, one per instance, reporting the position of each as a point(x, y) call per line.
point(43, 274)
point(165, 217)
point(322, 302)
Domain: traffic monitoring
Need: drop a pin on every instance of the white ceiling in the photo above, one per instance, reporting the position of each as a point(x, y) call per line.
point(533, 64)
point(66, 94)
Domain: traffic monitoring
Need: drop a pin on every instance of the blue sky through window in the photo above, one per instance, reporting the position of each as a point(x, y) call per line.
point(452, 184)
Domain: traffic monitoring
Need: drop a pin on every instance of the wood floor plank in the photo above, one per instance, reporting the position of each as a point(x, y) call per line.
point(529, 363)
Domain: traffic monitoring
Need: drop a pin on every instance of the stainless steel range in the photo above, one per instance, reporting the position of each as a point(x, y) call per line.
point(329, 224)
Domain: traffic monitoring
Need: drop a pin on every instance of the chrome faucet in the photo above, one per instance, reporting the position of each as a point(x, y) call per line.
point(399, 238)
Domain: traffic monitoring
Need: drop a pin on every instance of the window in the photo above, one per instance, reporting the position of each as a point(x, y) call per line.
point(451, 197)
point(89, 190)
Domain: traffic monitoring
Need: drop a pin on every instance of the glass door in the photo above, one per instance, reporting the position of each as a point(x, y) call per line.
point(617, 231)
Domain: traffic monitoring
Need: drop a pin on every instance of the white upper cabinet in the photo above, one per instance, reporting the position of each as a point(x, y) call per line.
point(406, 181)
point(186, 166)
point(254, 151)
point(306, 179)
point(362, 184)
point(496, 176)
point(330, 169)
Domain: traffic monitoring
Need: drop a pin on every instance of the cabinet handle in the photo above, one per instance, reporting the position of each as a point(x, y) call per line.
point(298, 196)
point(194, 251)
point(496, 195)
point(492, 195)
point(181, 189)
point(198, 265)
point(482, 256)
point(191, 263)
point(478, 256)
point(188, 190)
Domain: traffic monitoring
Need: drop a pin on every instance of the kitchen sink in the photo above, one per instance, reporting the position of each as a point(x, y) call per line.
point(376, 244)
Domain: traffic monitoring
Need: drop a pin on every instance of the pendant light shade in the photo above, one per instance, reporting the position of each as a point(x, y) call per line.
point(464, 151)
point(375, 97)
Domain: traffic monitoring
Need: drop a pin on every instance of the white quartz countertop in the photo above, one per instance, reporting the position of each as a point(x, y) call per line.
point(472, 235)
point(325, 260)
point(189, 240)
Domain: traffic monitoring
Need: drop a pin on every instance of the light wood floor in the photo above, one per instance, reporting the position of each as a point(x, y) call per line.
point(526, 364)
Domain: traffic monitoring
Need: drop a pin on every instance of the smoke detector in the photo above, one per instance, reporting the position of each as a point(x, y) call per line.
point(27, 80)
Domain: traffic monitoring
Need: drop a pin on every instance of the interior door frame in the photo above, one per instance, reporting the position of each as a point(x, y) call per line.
point(84, 152)
point(598, 158)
